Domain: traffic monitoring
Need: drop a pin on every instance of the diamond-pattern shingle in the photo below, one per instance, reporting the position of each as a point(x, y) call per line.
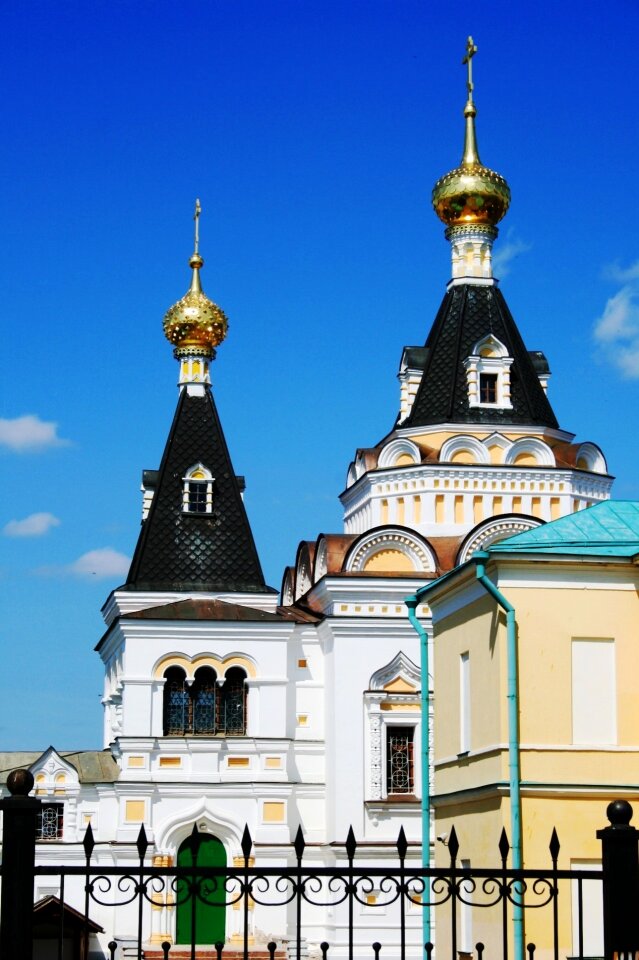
point(182, 551)
point(468, 313)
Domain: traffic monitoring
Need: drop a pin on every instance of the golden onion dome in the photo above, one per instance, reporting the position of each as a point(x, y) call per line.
point(195, 325)
point(471, 193)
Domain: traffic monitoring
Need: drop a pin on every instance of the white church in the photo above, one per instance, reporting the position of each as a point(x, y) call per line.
point(227, 704)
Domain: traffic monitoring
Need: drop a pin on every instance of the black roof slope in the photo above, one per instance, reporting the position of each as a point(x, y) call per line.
point(209, 551)
point(468, 313)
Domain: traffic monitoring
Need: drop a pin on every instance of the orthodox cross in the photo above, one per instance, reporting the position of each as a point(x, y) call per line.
point(196, 217)
point(471, 50)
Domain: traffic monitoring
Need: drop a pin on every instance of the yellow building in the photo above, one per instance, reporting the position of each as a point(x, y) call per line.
point(536, 724)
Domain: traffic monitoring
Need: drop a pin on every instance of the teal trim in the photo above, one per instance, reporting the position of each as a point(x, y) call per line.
point(514, 768)
point(411, 603)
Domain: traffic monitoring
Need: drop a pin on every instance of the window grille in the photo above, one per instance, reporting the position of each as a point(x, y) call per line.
point(176, 704)
point(204, 708)
point(50, 821)
point(197, 496)
point(232, 717)
point(399, 760)
point(203, 696)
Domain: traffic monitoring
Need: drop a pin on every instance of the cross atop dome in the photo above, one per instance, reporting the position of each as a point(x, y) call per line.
point(471, 199)
point(471, 50)
point(195, 325)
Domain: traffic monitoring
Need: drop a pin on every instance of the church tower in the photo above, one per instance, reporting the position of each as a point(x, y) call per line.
point(195, 533)
point(476, 453)
point(201, 695)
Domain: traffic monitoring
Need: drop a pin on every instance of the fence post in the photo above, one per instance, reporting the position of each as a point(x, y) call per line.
point(620, 865)
point(18, 862)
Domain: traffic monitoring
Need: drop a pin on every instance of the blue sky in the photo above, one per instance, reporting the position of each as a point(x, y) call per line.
point(313, 133)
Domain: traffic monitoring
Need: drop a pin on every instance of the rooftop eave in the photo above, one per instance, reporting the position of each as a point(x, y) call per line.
point(458, 427)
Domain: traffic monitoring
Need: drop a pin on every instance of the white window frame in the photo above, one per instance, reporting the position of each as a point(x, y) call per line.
point(378, 723)
point(464, 702)
point(500, 364)
point(198, 473)
point(594, 711)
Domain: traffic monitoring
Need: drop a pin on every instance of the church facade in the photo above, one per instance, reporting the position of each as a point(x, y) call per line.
point(227, 704)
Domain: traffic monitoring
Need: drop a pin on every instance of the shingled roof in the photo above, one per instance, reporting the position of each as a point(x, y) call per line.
point(468, 313)
point(185, 551)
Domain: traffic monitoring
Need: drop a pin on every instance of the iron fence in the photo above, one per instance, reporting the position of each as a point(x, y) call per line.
point(305, 892)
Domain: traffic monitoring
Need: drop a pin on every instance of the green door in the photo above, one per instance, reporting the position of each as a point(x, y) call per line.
point(210, 912)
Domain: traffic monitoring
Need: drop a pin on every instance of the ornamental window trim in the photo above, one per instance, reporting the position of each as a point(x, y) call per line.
point(396, 449)
point(489, 358)
point(495, 529)
point(380, 721)
point(391, 538)
point(197, 491)
point(385, 709)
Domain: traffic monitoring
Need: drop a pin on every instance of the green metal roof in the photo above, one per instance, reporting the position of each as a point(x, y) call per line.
point(609, 529)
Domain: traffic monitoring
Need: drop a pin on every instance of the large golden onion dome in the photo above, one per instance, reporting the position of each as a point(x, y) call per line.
point(195, 325)
point(471, 193)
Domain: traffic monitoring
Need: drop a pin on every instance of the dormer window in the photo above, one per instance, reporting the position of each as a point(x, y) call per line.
point(488, 374)
point(197, 495)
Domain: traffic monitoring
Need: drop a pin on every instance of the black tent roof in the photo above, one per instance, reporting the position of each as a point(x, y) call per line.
point(196, 551)
point(468, 313)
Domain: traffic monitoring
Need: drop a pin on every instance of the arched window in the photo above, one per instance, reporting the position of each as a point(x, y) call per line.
point(204, 708)
point(203, 698)
point(197, 496)
point(232, 704)
point(176, 703)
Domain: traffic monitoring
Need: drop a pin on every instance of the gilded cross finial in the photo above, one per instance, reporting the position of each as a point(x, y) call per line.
point(196, 217)
point(471, 50)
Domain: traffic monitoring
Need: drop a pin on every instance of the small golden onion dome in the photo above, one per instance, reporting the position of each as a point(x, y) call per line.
point(471, 193)
point(195, 325)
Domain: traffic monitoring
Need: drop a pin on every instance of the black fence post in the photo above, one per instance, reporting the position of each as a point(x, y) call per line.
point(18, 862)
point(620, 865)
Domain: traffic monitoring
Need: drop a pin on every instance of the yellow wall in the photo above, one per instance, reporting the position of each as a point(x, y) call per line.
point(390, 561)
point(483, 638)
point(429, 442)
point(562, 786)
point(478, 826)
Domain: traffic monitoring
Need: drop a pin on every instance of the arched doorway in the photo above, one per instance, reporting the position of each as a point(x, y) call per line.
point(210, 912)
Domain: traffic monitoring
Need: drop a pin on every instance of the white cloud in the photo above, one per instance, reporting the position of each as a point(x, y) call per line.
point(622, 274)
point(506, 252)
point(28, 432)
point(617, 329)
point(35, 525)
point(102, 563)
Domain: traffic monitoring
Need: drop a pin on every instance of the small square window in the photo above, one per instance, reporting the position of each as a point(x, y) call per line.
point(50, 821)
point(488, 388)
